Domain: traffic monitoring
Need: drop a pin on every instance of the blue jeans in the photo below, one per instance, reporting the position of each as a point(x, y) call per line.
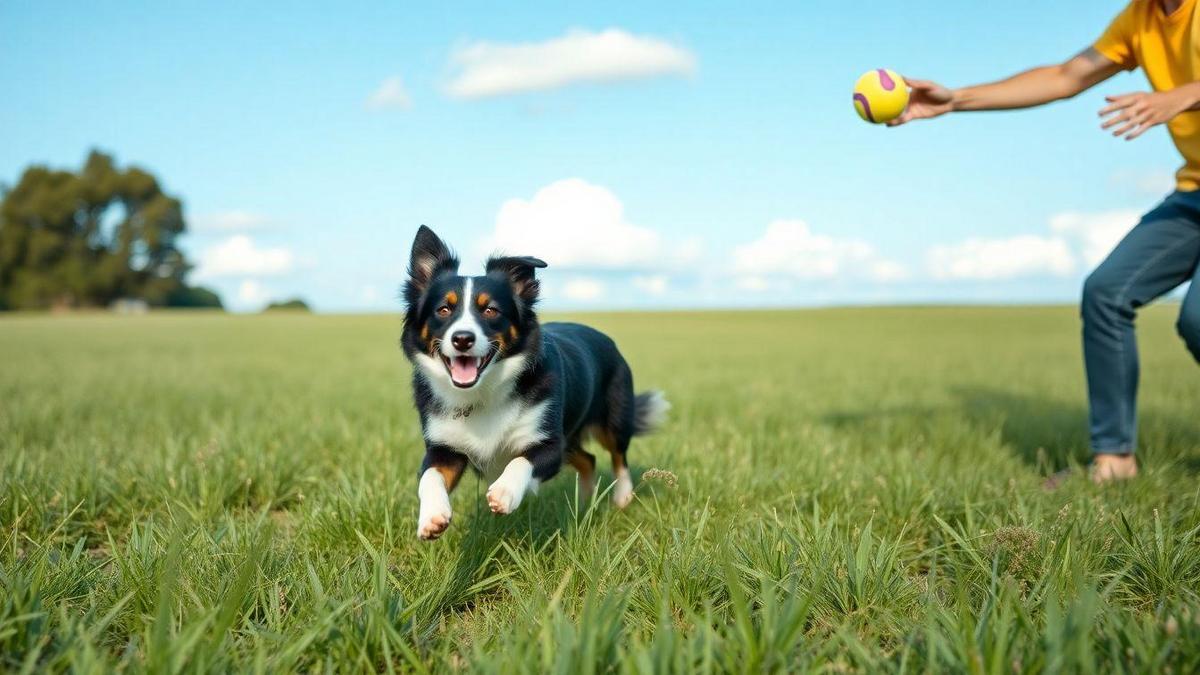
point(1158, 255)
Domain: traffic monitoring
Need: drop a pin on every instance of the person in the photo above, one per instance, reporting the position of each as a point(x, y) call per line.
point(1161, 252)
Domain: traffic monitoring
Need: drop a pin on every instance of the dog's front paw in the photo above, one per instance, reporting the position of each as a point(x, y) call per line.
point(431, 526)
point(502, 499)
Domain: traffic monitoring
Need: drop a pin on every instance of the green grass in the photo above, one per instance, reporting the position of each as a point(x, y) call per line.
point(192, 492)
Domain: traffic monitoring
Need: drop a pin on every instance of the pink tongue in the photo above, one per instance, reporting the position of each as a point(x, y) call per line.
point(464, 369)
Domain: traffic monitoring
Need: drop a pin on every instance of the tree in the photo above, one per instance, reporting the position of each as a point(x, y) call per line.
point(85, 239)
point(295, 305)
point(194, 297)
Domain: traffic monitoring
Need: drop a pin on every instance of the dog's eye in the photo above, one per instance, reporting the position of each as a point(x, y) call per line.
point(443, 311)
point(490, 313)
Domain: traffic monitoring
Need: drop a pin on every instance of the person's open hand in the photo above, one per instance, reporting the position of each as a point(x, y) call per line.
point(1132, 114)
point(925, 100)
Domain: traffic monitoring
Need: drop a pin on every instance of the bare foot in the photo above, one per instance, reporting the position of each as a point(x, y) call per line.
point(1107, 468)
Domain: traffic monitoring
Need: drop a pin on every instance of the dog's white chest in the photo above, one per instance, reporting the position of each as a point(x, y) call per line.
point(489, 434)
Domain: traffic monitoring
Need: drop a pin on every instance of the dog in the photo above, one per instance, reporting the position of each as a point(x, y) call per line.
point(512, 398)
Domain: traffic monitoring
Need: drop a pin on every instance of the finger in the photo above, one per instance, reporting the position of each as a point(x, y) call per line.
point(923, 85)
point(1133, 120)
point(1125, 129)
point(1127, 114)
point(1141, 124)
point(1115, 106)
point(1118, 119)
point(1138, 132)
point(1123, 97)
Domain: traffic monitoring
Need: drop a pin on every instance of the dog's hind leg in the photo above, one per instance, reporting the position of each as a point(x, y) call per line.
point(617, 445)
point(617, 430)
point(585, 463)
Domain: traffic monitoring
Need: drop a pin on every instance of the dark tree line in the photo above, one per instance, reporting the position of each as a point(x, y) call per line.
point(86, 239)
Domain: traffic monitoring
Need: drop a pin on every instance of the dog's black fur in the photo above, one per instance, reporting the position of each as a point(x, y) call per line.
point(533, 391)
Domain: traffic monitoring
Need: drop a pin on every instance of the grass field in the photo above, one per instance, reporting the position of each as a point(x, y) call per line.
point(213, 493)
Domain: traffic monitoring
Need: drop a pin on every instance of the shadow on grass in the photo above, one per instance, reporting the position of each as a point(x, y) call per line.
point(1045, 433)
point(1050, 434)
point(494, 546)
point(552, 512)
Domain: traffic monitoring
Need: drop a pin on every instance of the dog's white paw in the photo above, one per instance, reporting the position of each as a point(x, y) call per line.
point(502, 499)
point(434, 515)
point(622, 493)
point(431, 526)
point(506, 493)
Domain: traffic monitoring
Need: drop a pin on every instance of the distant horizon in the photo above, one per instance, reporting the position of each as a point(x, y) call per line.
point(1173, 299)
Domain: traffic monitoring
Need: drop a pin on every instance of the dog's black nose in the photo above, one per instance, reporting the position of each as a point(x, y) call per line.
point(463, 340)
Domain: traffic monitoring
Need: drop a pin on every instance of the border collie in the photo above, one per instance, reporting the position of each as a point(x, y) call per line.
point(512, 398)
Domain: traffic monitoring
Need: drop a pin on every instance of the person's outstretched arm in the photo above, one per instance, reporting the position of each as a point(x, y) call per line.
point(1025, 90)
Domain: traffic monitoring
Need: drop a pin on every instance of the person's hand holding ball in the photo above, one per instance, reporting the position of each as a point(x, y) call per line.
point(884, 97)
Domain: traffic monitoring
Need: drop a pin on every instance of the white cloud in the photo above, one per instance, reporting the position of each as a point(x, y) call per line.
point(886, 271)
point(233, 220)
point(789, 248)
point(497, 69)
point(390, 95)
point(238, 256)
point(582, 288)
point(654, 284)
point(1095, 233)
point(252, 293)
point(754, 284)
point(574, 224)
point(995, 259)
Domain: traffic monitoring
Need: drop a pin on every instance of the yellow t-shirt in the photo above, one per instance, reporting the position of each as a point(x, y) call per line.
point(1167, 47)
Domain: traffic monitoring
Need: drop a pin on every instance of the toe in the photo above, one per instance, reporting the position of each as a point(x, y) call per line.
point(498, 501)
point(434, 527)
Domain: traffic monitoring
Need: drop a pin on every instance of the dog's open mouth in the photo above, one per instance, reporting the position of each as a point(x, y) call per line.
point(465, 371)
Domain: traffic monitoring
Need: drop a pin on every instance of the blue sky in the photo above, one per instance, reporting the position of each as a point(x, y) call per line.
point(719, 163)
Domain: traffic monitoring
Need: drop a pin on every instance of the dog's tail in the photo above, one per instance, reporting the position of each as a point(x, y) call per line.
point(649, 412)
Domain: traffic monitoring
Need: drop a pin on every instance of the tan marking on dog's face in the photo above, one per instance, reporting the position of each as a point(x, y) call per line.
point(512, 331)
point(451, 298)
point(482, 300)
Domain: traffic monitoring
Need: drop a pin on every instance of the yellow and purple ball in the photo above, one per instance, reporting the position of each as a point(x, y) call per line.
point(880, 96)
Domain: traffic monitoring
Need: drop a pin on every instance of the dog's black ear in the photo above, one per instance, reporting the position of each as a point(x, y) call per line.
point(519, 270)
point(430, 257)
